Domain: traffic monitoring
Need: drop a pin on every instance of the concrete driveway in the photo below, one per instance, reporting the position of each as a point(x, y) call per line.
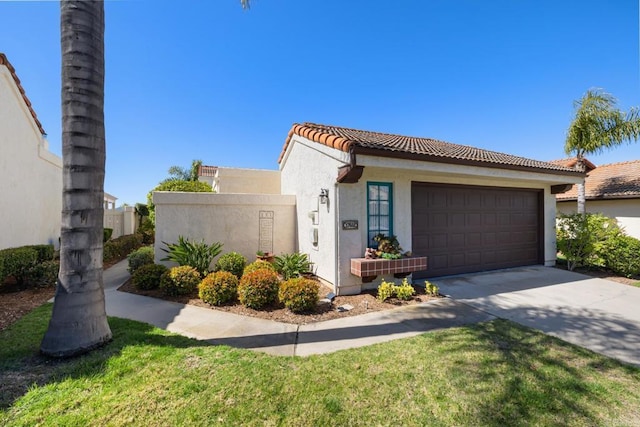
point(597, 314)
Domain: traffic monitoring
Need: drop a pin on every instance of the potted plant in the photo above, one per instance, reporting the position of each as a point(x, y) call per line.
point(265, 256)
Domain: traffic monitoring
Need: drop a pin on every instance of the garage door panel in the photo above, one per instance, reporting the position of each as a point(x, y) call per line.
point(466, 228)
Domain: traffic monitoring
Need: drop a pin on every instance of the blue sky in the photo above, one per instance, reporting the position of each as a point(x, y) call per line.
point(207, 80)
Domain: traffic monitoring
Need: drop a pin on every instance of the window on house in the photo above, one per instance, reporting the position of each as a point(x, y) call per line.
point(379, 210)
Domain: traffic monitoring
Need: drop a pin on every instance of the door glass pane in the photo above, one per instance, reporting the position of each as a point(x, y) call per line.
point(384, 192)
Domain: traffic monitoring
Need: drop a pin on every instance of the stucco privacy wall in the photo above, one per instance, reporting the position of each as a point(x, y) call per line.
point(626, 211)
point(242, 222)
point(122, 221)
point(244, 181)
point(309, 166)
point(30, 175)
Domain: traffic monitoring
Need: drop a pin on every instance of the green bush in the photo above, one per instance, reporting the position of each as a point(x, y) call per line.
point(385, 290)
point(139, 257)
point(44, 273)
point(622, 255)
point(581, 238)
point(404, 291)
point(117, 249)
point(147, 231)
point(259, 265)
point(181, 280)
point(292, 265)
point(16, 262)
point(258, 288)
point(175, 185)
point(106, 234)
point(299, 294)
point(45, 252)
point(198, 255)
point(430, 288)
point(148, 276)
point(218, 288)
point(232, 262)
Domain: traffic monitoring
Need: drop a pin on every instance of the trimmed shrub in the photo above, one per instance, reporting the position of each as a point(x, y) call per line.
point(581, 238)
point(385, 290)
point(45, 252)
point(181, 280)
point(198, 255)
point(148, 276)
point(139, 257)
point(292, 265)
point(218, 288)
point(405, 291)
point(43, 274)
point(16, 262)
point(175, 185)
point(622, 255)
point(147, 231)
point(259, 265)
point(258, 288)
point(118, 248)
point(430, 288)
point(233, 262)
point(106, 234)
point(299, 294)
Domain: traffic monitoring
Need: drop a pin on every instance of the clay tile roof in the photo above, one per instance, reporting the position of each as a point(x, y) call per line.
point(612, 181)
point(572, 161)
point(207, 170)
point(428, 149)
point(4, 61)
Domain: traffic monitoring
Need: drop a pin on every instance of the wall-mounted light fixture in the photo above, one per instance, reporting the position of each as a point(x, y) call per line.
point(324, 196)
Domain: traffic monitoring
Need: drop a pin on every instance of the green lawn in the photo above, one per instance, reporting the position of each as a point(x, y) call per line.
point(495, 373)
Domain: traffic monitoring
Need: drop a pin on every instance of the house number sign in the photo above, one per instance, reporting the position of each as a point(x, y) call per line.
point(350, 224)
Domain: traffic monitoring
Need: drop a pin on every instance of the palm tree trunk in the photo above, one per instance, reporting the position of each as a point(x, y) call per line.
point(79, 320)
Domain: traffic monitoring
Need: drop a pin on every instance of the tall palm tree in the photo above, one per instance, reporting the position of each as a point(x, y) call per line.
point(598, 125)
point(79, 320)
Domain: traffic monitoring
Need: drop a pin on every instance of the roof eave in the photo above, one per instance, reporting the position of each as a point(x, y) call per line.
point(466, 162)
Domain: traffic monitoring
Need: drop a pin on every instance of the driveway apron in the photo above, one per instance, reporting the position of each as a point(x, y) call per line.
point(598, 314)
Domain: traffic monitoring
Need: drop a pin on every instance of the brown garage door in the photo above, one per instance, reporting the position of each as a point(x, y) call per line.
point(464, 229)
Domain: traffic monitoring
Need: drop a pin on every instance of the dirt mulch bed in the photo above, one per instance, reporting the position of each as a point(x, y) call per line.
point(601, 274)
point(342, 306)
point(16, 301)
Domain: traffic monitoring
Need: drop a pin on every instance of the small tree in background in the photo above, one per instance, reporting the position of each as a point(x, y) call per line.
point(598, 125)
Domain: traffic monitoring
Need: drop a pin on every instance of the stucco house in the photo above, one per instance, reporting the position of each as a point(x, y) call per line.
point(30, 175)
point(463, 208)
point(612, 190)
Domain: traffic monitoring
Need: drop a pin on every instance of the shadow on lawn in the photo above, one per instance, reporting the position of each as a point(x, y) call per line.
point(538, 378)
point(21, 373)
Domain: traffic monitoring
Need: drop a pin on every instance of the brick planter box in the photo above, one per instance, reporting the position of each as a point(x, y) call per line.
point(369, 269)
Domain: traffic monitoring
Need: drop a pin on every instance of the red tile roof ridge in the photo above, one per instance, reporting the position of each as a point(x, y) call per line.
point(4, 61)
point(606, 165)
point(420, 148)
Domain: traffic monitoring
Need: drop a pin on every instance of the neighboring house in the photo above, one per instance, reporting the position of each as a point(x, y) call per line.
point(613, 190)
point(121, 220)
point(464, 208)
point(240, 181)
point(30, 175)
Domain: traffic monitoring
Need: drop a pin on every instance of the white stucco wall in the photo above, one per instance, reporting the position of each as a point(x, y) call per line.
point(626, 211)
point(232, 219)
point(309, 166)
point(244, 181)
point(30, 175)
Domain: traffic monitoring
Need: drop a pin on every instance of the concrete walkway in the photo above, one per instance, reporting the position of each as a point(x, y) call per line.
point(218, 327)
point(598, 314)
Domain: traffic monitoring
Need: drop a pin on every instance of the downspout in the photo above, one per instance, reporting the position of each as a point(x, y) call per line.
point(337, 239)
